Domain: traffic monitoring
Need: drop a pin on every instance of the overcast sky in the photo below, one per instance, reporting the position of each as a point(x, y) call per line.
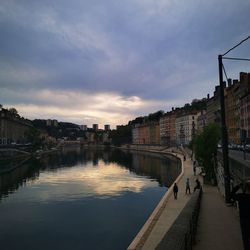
point(109, 61)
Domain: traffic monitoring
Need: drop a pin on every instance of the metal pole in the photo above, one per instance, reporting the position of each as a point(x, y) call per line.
point(224, 137)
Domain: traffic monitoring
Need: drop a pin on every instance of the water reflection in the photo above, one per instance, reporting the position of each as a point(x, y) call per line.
point(99, 172)
point(81, 199)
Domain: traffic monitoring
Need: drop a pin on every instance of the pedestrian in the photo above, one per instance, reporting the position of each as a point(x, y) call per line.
point(187, 186)
point(175, 191)
point(194, 169)
point(198, 185)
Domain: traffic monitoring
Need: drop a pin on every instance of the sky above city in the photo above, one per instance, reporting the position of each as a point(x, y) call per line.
point(108, 62)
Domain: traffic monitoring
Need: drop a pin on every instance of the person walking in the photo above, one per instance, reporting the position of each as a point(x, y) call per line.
point(175, 191)
point(187, 186)
point(194, 168)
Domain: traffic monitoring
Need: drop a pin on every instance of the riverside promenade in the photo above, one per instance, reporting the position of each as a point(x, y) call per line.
point(218, 225)
point(167, 210)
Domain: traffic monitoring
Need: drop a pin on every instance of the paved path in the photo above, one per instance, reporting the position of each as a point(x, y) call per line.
point(171, 210)
point(218, 225)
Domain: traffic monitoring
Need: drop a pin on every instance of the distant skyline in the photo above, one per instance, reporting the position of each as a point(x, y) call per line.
point(108, 62)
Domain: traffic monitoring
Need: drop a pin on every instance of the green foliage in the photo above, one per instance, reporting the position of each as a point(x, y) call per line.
point(122, 135)
point(205, 148)
point(33, 136)
point(14, 112)
point(155, 116)
point(138, 120)
point(64, 129)
point(196, 105)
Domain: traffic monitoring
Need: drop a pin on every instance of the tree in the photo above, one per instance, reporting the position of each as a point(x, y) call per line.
point(205, 148)
point(14, 112)
point(33, 136)
point(155, 116)
point(122, 135)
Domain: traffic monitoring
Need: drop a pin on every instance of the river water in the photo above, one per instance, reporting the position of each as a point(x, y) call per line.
point(82, 199)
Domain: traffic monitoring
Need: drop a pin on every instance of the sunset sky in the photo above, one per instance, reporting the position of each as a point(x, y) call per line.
point(109, 61)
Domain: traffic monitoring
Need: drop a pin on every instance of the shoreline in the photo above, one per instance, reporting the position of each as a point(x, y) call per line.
point(143, 234)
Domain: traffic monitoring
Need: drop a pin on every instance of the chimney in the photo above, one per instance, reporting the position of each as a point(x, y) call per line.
point(229, 82)
point(243, 76)
point(235, 81)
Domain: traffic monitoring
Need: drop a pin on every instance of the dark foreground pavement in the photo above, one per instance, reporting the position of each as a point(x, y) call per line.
point(218, 225)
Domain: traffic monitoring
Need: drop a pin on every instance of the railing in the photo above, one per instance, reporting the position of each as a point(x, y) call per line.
point(181, 235)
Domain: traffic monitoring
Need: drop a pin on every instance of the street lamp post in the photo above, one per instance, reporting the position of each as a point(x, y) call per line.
point(224, 137)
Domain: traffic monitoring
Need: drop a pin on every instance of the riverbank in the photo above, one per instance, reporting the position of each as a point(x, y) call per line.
point(218, 224)
point(11, 159)
point(168, 209)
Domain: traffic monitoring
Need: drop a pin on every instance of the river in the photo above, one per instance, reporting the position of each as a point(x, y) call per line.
point(82, 199)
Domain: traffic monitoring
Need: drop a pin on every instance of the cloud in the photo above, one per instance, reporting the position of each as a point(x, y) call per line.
point(83, 182)
point(162, 52)
point(79, 107)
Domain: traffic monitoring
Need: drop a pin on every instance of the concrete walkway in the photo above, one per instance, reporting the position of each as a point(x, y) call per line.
point(172, 209)
point(218, 225)
point(169, 211)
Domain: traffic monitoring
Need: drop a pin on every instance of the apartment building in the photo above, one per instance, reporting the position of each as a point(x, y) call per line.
point(213, 108)
point(135, 134)
point(164, 130)
point(201, 121)
point(168, 128)
point(186, 127)
point(144, 134)
point(231, 114)
point(154, 133)
point(12, 127)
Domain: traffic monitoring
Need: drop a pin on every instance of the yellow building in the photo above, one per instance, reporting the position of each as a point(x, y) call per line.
point(231, 98)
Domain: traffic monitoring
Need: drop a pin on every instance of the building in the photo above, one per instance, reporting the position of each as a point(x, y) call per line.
point(164, 128)
point(201, 121)
point(244, 104)
point(105, 138)
point(154, 133)
point(245, 114)
point(12, 127)
point(168, 128)
point(106, 127)
point(144, 134)
point(135, 134)
point(51, 123)
point(231, 114)
point(186, 127)
point(95, 127)
point(84, 127)
point(213, 108)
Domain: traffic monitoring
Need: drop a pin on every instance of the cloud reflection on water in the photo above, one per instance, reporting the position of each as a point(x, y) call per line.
point(102, 181)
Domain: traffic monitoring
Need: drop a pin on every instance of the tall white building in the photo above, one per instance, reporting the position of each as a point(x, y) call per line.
point(135, 134)
point(186, 127)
